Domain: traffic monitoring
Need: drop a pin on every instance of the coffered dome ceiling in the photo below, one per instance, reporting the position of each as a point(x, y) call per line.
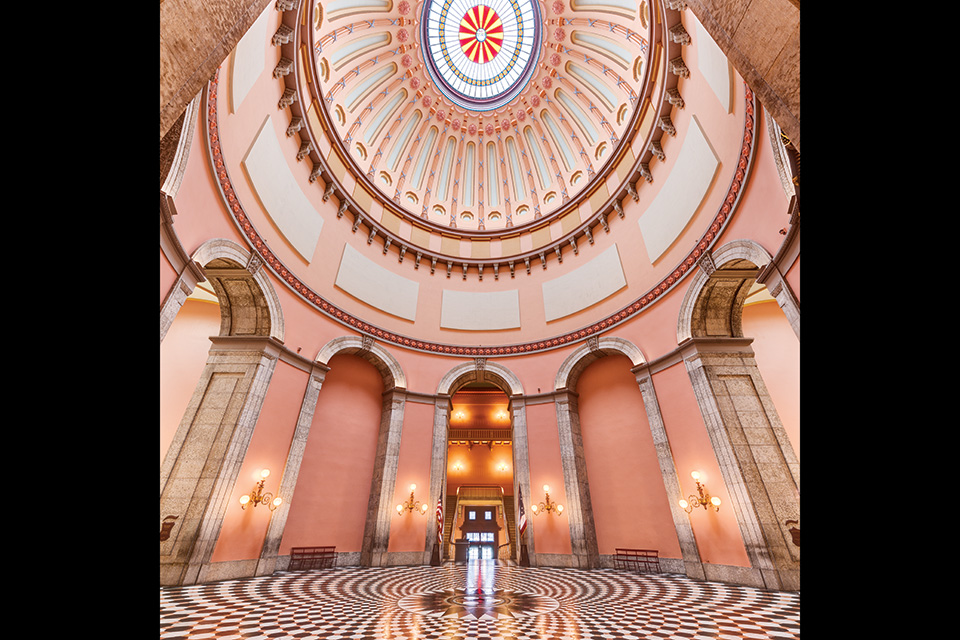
point(475, 117)
point(483, 136)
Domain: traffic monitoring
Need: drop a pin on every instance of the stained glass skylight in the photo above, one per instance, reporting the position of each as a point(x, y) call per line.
point(481, 53)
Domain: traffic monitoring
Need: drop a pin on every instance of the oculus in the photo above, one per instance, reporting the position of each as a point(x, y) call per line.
point(481, 53)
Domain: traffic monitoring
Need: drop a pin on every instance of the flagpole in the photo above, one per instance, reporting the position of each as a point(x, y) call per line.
point(435, 555)
point(522, 527)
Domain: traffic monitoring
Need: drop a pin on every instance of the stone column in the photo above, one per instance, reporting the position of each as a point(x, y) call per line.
point(693, 565)
point(376, 532)
point(579, 508)
point(759, 467)
point(438, 470)
point(291, 471)
point(200, 470)
point(521, 472)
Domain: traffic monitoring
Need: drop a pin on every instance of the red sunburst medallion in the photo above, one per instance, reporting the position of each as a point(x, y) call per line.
point(481, 34)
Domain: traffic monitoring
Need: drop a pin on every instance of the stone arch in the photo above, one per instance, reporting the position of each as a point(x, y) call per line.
point(587, 353)
point(583, 533)
point(713, 304)
point(481, 370)
point(220, 418)
point(249, 305)
point(364, 347)
point(376, 533)
point(759, 466)
point(582, 526)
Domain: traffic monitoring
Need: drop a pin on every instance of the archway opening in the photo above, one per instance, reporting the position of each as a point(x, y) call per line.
point(480, 522)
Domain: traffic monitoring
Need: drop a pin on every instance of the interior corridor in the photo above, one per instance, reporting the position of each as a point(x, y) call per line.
point(487, 600)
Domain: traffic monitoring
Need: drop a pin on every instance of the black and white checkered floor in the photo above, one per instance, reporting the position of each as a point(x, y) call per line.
point(482, 600)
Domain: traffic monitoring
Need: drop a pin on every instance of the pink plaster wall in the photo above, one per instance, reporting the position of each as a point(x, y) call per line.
point(243, 530)
point(717, 534)
point(183, 355)
point(552, 533)
point(777, 350)
point(329, 504)
point(408, 531)
point(630, 506)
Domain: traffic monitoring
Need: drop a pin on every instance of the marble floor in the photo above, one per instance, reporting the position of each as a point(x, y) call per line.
point(483, 600)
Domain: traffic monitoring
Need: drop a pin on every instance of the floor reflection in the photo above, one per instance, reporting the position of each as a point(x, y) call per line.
point(479, 599)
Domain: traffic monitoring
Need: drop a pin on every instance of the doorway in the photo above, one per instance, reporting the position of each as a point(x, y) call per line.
point(479, 522)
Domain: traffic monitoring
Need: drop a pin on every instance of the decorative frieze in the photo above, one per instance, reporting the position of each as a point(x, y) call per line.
point(645, 172)
point(306, 148)
point(674, 98)
point(283, 68)
point(667, 125)
point(707, 265)
point(288, 98)
point(657, 149)
point(678, 34)
point(254, 264)
point(679, 68)
point(296, 123)
point(284, 35)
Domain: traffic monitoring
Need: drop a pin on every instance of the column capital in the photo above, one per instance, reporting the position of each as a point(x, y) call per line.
point(268, 344)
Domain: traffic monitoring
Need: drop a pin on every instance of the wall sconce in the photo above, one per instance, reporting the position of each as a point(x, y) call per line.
point(701, 500)
point(502, 467)
point(457, 466)
point(548, 507)
point(411, 504)
point(258, 496)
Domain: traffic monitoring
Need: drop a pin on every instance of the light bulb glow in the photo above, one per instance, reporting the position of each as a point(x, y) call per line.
point(695, 475)
point(715, 500)
point(683, 504)
point(244, 499)
point(546, 488)
point(413, 487)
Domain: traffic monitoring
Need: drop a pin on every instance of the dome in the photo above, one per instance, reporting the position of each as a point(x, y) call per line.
point(477, 116)
point(538, 154)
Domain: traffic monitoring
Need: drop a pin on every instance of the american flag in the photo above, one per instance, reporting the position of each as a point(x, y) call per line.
point(440, 519)
point(523, 516)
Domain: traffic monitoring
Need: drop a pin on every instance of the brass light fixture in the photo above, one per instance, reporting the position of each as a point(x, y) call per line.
point(412, 504)
point(547, 506)
point(258, 496)
point(701, 500)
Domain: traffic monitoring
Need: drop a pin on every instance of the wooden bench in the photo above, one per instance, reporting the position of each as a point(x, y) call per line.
point(311, 558)
point(640, 560)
